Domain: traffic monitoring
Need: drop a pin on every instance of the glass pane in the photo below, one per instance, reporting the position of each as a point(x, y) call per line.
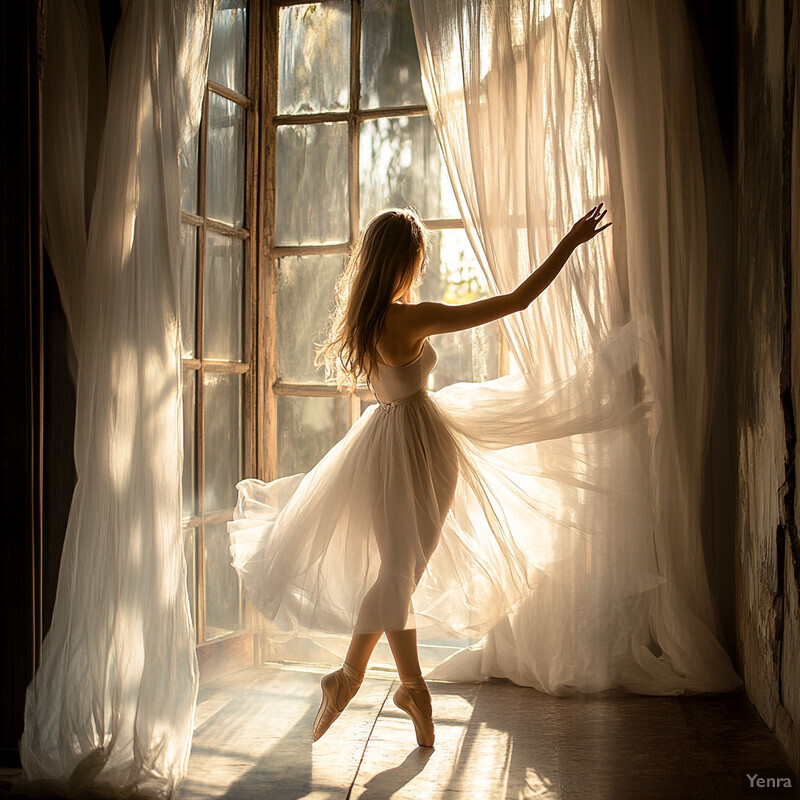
point(453, 276)
point(314, 62)
point(305, 298)
point(187, 161)
point(401, 164)
point(223, 439)
point(390, 73)
point(222, 584)
point(222, 298)
point(227, 62)
point(226, 147)
point(191, 570)
point(189, 443)
point(312, 184)
point(188, 289)
point(307, 428)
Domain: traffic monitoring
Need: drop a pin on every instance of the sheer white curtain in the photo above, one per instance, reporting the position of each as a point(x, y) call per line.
point(544, 108)
point(111, 707)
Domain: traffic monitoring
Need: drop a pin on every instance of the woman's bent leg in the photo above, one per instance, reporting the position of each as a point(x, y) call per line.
point(339, 687)
point(367, 631)
point(360, 650)
point(413, 696)
point(404, 651)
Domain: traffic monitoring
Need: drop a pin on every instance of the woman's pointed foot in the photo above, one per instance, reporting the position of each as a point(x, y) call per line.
point(338, 689)
point(414, 698)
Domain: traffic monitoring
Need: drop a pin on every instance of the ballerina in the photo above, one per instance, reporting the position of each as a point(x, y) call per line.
point(390, 483)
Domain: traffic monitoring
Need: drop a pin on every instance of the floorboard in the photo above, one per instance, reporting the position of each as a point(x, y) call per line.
point(494, 740)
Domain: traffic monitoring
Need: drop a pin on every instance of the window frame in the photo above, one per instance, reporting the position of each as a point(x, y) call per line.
point(248, 232)
point(270, 388)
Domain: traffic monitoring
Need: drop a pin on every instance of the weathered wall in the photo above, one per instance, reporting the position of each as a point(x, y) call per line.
point(768, 363)
point(789, 729)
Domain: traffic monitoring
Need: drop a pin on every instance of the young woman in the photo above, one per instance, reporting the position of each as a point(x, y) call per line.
point(347, 544)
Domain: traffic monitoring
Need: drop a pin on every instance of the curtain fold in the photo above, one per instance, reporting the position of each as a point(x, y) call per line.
point(111, 707)
point(542, 110)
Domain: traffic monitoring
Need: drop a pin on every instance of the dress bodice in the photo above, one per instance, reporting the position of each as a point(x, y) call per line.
point(394, 384)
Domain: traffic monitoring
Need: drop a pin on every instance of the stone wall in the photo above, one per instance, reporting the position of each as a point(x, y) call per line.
point(767, 359)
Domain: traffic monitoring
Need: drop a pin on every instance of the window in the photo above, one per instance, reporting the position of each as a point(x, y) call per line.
point(348, 134)
point(218, 176)
point(270, 210)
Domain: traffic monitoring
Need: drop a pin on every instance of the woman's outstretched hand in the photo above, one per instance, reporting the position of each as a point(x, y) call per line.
point(586, 227)
point(424, 319)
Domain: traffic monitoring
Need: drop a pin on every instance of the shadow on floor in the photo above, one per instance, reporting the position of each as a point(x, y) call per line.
point(494, 740)
point(391, 781)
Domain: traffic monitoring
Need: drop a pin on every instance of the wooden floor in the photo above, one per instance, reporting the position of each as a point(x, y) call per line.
point(493, 740)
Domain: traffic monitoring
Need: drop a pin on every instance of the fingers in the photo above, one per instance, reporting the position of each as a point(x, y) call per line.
point(594, 217)
point(594, 212)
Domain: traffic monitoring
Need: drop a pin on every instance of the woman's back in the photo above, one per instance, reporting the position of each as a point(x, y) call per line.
point(392, 384)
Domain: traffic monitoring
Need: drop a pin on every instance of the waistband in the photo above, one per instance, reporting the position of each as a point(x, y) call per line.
point(404, 401)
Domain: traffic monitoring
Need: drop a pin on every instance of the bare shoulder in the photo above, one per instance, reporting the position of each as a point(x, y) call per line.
point(409, 320)
point(423, 319)
point(410, 316)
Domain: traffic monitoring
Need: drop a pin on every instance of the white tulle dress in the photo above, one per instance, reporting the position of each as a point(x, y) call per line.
point(365, 525)
point(421, 516)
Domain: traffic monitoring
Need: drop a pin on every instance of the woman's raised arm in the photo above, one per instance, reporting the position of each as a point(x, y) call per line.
point(426, 319)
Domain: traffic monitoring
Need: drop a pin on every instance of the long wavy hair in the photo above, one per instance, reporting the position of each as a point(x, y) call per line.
point(381, 268)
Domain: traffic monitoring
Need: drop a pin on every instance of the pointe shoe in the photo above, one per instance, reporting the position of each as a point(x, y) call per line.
point(410, 698)
point(338, 689)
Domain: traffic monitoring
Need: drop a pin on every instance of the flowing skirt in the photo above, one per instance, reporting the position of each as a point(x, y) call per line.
point(444, 512)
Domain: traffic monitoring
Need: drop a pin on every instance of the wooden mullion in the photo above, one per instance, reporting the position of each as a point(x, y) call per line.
point(190, 363)
point(276, 5)
point(200, 548)
point(227, 230)
point(287, 389)
point(393, 111)
point(236, 367)
point(230, 94)
point(201, 161)
point(217, 517)
point(353, 121)
point(292, 389)
point(345, 116)
point(443, 224)
point(215, 225)
point(200, 538)
point(310, 249)
point(311, 119)
point(267, 286)
point(187, 216)
point(250, 300)
point(353, 130)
